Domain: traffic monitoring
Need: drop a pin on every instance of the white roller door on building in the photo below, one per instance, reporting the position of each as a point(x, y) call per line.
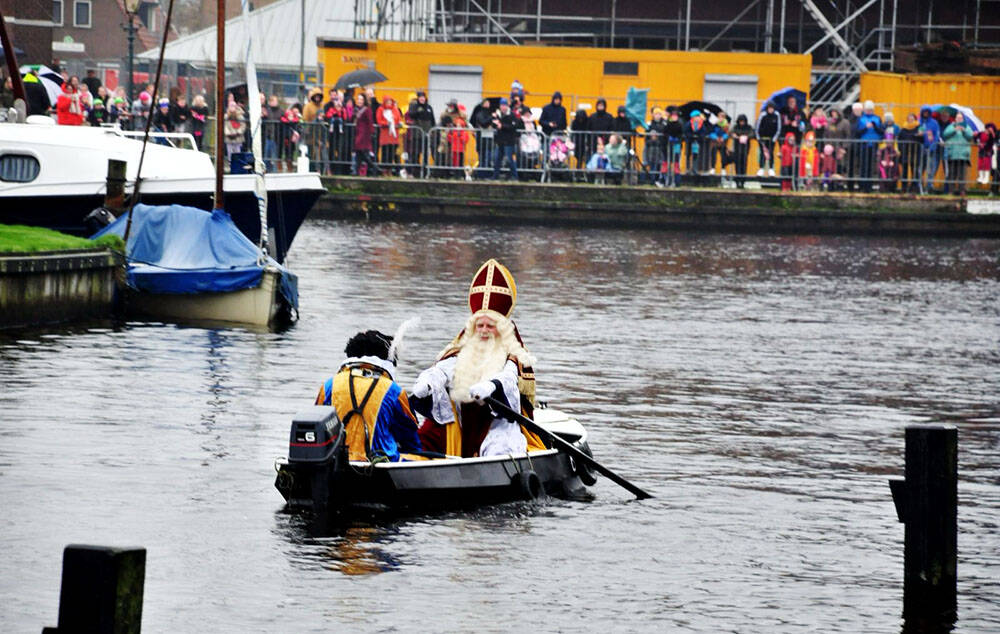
point(464, 83)
point(735, 94)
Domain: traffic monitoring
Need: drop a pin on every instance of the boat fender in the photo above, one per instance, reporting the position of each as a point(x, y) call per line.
point(529, 484)
point(583, 471)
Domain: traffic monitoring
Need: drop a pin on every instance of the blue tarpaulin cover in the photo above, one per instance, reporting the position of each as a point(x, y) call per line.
point(178, 249)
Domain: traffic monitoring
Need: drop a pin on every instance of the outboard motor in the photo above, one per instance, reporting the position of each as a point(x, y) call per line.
point(315, 450)
point(97, 220)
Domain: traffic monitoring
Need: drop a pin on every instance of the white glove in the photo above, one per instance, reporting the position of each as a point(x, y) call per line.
point(422, 386)
point(482, 390)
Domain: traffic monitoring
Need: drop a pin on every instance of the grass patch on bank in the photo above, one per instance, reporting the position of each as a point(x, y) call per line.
point(23, 239)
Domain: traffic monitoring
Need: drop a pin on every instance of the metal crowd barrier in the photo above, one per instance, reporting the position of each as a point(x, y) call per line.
point(470, 153)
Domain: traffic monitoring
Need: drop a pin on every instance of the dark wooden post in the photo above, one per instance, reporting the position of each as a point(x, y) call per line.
point(114, 196)
point(930, 512)
point(101, 590)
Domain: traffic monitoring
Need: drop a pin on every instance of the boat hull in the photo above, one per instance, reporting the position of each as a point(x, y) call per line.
point(318, 476)
point(286, 210)
point(261, 306)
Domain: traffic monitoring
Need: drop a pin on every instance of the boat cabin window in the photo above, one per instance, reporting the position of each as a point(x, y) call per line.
point(18, 168)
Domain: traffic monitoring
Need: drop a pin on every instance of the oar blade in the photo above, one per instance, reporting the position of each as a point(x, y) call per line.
point(566, 447)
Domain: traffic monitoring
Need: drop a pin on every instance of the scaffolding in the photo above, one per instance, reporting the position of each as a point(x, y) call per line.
point(845, 39)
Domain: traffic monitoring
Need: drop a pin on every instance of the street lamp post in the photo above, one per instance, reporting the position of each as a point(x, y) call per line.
point(131, 7)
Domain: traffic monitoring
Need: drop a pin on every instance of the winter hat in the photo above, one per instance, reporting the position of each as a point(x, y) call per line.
point(695, 113)
point(144, 97)
point(98, 102)
point(163, 102)
point(889, 117)
point(869, 105)
point(503, 101)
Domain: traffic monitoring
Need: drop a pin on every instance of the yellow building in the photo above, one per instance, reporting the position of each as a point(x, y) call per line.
point(906, 93)
point(738, 82)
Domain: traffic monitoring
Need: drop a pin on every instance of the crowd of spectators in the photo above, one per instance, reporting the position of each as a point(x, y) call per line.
point(353, 132)
point(799, 146)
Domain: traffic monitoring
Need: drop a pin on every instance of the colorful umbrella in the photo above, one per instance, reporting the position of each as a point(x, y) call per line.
point(50, 80)
point(970, 117)
point(946, 113)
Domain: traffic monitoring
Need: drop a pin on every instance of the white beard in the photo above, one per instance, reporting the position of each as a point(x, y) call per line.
point(478, 360)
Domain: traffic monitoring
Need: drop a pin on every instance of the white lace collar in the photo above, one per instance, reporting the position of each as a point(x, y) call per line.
point(388, 366)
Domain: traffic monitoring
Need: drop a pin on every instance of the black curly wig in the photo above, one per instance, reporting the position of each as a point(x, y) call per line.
point(370, 343)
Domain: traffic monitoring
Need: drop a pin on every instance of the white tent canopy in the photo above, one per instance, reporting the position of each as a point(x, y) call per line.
point(277, 35)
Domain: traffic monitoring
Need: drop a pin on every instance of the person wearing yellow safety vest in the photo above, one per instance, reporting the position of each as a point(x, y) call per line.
point(373, 408)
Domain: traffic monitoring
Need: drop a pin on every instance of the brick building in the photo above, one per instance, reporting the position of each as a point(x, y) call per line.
point(29, 24)
point(92, 34)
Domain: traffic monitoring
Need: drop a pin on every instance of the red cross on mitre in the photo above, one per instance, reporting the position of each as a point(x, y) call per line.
point(493, 289)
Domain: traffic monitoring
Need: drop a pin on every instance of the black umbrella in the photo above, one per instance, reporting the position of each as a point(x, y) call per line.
point(358, 78)
point(705, 107)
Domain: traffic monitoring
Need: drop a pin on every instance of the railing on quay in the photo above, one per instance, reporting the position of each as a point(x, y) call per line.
point(641, 158)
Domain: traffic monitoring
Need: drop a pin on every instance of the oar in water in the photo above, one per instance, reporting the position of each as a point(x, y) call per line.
point(564, 446)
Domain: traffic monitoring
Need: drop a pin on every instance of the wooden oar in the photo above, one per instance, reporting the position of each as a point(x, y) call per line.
point(564, 446)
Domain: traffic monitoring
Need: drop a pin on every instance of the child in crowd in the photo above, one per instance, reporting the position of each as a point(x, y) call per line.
point(789, 152)
point(458, 138)
point(888, 161)
point(98, 114)
point(986, 144)
point(675, 136)
point(233, 130)
point(199, 116)
point(808, 160)
point(818, 122)
point(530, 143)
point(161, 118)
point(560, 149)
point(828, 166)
point(599, 162)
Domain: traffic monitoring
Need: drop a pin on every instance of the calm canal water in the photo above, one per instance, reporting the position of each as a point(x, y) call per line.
point(759, 386)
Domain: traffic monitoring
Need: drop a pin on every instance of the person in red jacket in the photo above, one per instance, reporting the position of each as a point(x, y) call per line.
point(788, 155)
point(69, 110)
point(458, 138)
point(389, 119)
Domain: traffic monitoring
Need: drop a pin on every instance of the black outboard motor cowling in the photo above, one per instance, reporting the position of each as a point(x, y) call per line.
point(317, 434)
point(315, 450)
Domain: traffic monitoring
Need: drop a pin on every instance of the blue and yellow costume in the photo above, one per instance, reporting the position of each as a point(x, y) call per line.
point(373, 408)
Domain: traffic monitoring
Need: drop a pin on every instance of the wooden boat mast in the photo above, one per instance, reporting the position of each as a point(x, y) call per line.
point(220, 93)
point(15, 73)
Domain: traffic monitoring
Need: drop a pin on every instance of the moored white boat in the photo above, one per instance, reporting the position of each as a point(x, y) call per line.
point(53, 176)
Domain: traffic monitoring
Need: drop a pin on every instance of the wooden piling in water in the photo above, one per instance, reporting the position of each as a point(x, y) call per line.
point(101, 590)
point(929, 510)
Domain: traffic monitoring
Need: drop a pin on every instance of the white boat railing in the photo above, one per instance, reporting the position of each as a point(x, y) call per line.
point(179, 140)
